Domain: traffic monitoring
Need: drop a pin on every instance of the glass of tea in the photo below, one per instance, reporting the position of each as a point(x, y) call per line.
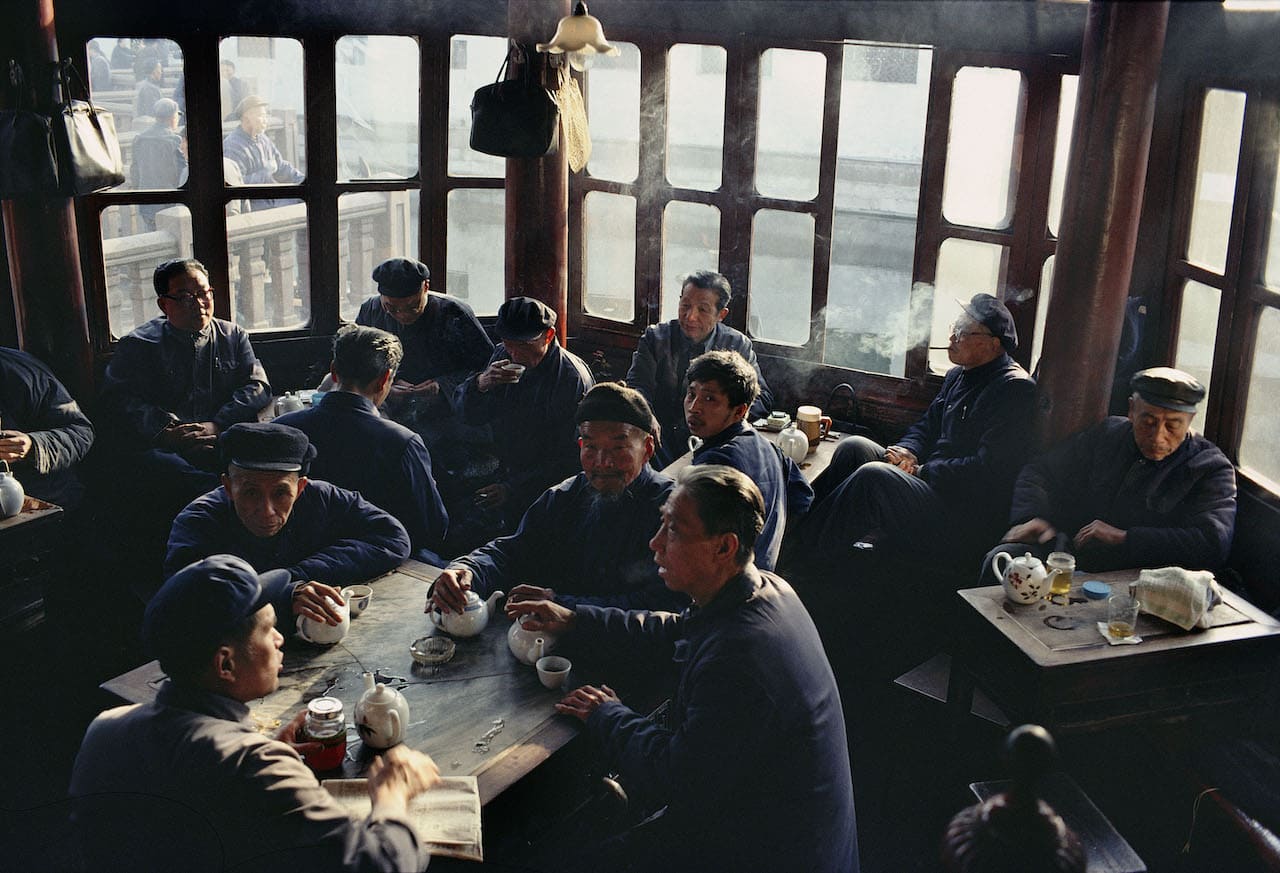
point(1122, 615)
point(1061, 566)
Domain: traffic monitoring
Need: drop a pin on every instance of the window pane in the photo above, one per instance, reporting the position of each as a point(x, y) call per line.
point(1271, 270)
point(789, 130)
point(1197, 331)
point(474, 61)
point(372, 226)
point(690, 241)
point(376, 79)
point(613, 111)
point(130, 254)
point(265, 144)
point(1259, 448)
point(882, 114)
point(1062, 149)
point(609, 268)
point(268, 257)
point(984, 147)
point(1042, 310)
point(141, 82)
point(781, 295)
point(1215, 178)
point(965, 268)
point(476, 243)
point(695, 115)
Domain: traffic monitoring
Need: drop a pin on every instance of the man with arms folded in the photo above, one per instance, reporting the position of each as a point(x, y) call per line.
point(358, 449)
point(188, 782)
point(1138, 491)
point(722, 387)
point(530, 410)
point(269, 513)
point(947, 481)
point(172, 386)
point(662, 357)
point(753, 771)
point(587, 539)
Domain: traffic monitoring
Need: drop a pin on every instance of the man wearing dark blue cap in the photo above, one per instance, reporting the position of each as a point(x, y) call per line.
point(946, 482)
point(1135, 491)
point(527, 394)
point(269, 513)
point(188, 781)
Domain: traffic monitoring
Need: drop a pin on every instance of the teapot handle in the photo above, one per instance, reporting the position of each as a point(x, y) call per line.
point(396, 736)
point(435, 615)
point(995, 565)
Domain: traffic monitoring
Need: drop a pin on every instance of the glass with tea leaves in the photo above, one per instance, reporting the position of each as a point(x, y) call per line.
point(1061, 567)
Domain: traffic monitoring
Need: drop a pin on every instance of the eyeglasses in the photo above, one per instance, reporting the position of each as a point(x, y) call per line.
point(190, 296)
point(960, 335)
point(408, 309)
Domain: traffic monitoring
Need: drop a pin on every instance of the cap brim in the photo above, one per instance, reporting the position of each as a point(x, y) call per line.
point(270, 466)
point(523, 337)
point(1166, 403)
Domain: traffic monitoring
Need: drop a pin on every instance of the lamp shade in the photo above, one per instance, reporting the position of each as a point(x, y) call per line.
point(579, 33)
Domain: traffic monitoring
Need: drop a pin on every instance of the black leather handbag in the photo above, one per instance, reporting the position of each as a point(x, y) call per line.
point(514, 118)
point(28, 166)
point(85, 137)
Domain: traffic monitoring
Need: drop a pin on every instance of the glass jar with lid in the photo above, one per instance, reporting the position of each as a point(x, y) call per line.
point(325, 724)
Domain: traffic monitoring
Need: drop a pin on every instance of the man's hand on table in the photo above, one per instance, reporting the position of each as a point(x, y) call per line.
point(1098, 533)
point(1037, 530)
point(14, 445)
point(289, 734)
point(584, 700)
point(544, 615)
point(449, 593)
point(397, 776)
point(527, 593)
point(309, 600)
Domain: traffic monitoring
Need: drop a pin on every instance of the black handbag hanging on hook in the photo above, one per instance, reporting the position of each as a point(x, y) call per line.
point(27, 163)
point(514, 118)
point(85, 136)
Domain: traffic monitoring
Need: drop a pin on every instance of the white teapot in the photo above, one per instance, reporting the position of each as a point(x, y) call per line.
point(794, 444)
point(527, 645)
point(472, 619)
point(382, 715)
point(11, 493)
point(321, 633)
point(1025, 579)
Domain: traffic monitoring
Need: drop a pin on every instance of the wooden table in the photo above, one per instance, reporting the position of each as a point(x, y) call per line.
point(1072, 678)
point(31, 548)
point(451, 706)
point(814, 463)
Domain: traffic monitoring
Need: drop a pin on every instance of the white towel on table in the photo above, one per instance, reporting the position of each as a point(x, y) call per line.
point(1183, 597)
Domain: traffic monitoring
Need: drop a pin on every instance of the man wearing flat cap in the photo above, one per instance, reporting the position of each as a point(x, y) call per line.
point(253, 152)
point(269, 513)
point(189, 782)
point(443, 345)
point(1135, 491)
point(945, 484)
point(600, 522)
point(527, 394)
point(722, 387)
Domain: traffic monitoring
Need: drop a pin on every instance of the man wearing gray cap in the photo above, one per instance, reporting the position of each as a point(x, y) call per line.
point(269, 513)
point(189, 782)
point(600, 521)
point(1135, 491)
point(256, 155)
point(527, 394)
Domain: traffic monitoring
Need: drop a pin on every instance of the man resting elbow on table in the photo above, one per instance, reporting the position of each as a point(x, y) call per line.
point(188, 782)
point(753, 771)
point(587, 539)
point(270, 514)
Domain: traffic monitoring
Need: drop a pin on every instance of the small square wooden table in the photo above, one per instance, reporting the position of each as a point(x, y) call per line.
point(1046, 662)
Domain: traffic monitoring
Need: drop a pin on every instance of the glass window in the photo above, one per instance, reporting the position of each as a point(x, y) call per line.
point(476, 60)
point(695, 116)
point(965, 268)
point(609, 264)
point(476, 243)
point(984, 146)
point(141, 82)
point(789, 127)
point(130, 254)
point(1271, 269)
point(1259, 448)
point(1219, 154)
point(372, 226)
point(613, 111)
point(878, 160)
point(781, 295)
point(377, 124)
point(690, 242)
point(264, 130)
point(1062, 149)
point(1042, 310)
point(1197, 332)
point(269, 265)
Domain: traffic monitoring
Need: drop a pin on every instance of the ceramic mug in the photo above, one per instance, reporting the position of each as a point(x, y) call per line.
point(357, 597)
point(813, 423)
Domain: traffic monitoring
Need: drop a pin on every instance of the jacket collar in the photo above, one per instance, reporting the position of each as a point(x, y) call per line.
point(182, 696)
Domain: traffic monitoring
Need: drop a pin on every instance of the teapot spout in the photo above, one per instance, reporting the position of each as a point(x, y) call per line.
point(492, 602)
point(369, 682)
point(539, 648)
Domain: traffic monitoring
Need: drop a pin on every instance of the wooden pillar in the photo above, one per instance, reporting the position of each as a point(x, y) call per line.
point(40, 236)
point(1119, 68)
point(537, 225)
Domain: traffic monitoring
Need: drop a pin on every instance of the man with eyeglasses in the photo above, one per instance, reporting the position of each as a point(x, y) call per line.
point(172, 386)
point(945, 485)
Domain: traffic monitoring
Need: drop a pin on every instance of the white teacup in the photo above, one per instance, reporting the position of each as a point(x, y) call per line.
point(357, 597)
point(514, 368)
point(552, 670)
point(322, 633)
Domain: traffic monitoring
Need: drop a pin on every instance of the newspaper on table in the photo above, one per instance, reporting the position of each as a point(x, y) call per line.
point(447, 817)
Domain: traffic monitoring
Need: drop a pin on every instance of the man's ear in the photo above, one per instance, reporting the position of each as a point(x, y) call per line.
point(226, 482)
point(302, 483)
point(426, 284)
point(224, 664)
point(727, 547)
point(722, 313)
point(740, 412)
